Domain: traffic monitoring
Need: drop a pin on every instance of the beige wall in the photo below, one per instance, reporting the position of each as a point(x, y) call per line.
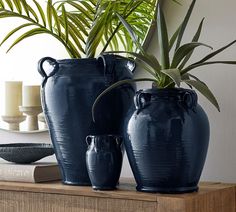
point(220, 28)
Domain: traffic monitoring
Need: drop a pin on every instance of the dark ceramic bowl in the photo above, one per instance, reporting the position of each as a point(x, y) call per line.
point(25, 152)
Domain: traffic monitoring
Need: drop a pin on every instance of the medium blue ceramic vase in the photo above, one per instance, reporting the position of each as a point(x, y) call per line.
point(167, 140)
point(68, 92)
point(104, 161)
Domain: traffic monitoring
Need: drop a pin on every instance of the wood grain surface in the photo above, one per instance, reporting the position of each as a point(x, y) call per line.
point(55, 197)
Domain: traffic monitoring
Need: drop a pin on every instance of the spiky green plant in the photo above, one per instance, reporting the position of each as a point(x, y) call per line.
point(171, 72)
point(80, 25)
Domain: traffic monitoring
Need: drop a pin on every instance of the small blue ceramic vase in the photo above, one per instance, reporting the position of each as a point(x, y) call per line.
point(104, 161)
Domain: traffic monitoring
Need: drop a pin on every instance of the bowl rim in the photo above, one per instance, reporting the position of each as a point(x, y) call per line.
point(26, 145)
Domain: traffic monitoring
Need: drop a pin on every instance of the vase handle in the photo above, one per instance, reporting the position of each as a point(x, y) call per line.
point(52, 62)
point(109, 67)
point(137, 100)
point(141, 99)
point(190, 99)
point(89, 140)
point(118, 141)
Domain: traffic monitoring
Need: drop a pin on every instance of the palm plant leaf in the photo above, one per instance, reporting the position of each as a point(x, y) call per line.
point(10, 4)
point(129, 48)
point(77, 43)
point(78, 23)
point(163, 39)
point(133, 11)
point(184, 24)
point(209, 56)
point(40, 10)
point(183, 51)
point(89, 7)
point(71, 48)
point(95, 35)
point(71, 30)
point(204, 90)
point(74, 36)
point(152, 64)
point(193, 66)
point(174, 38)
point(146, 67)
point(131, 32)
point(28, 34)
point(57, 21)
point(77, 33)
point(2, 4)
point(18, 6)
point(114, 41)
point(15, 30)
point(121, 39)
point(78, 7)
point(185, 77)
point(195, 39)
point(24, 5)
point(64, 18)
point(31, 11)
point(174, 74)
point(49, 14)
point(177, 2)
point(79, 18)
point(9, 14)
point(195, 78)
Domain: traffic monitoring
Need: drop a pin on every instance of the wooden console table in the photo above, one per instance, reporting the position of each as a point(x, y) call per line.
point(55, 197)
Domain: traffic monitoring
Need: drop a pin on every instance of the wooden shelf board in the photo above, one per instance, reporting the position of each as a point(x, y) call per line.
point(126, 190)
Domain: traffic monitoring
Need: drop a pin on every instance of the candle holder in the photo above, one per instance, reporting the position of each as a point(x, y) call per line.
point(14, 121)
point(32, 116)
point(42, 119)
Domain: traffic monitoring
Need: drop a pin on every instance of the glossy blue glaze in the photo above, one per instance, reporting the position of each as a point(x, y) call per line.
point(68, 93)
point(104, 161)
point(167, 140)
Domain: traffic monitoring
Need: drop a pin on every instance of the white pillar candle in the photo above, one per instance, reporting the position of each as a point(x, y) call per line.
point(13, 98)
point(31, 95)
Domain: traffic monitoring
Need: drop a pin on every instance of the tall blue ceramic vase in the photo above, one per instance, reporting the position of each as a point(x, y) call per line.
point(68, 92)
point(167, 140)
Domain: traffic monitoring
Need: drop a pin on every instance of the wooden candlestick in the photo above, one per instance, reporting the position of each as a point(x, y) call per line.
point(41, 118)
point(32, 116)
point(14, 121)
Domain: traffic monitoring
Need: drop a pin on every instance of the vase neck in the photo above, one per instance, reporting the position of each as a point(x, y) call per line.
point(186, 96)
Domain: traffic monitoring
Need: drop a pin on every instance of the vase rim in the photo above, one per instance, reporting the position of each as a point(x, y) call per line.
point(163, 90)
point(77, 60)
point(105, 135)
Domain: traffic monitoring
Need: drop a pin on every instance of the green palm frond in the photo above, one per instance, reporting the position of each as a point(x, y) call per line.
point(30, 16)
point(41, 12)
point(81, 25)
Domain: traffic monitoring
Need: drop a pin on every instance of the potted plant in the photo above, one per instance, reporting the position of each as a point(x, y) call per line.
point(71, 86)
point(167, 136)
